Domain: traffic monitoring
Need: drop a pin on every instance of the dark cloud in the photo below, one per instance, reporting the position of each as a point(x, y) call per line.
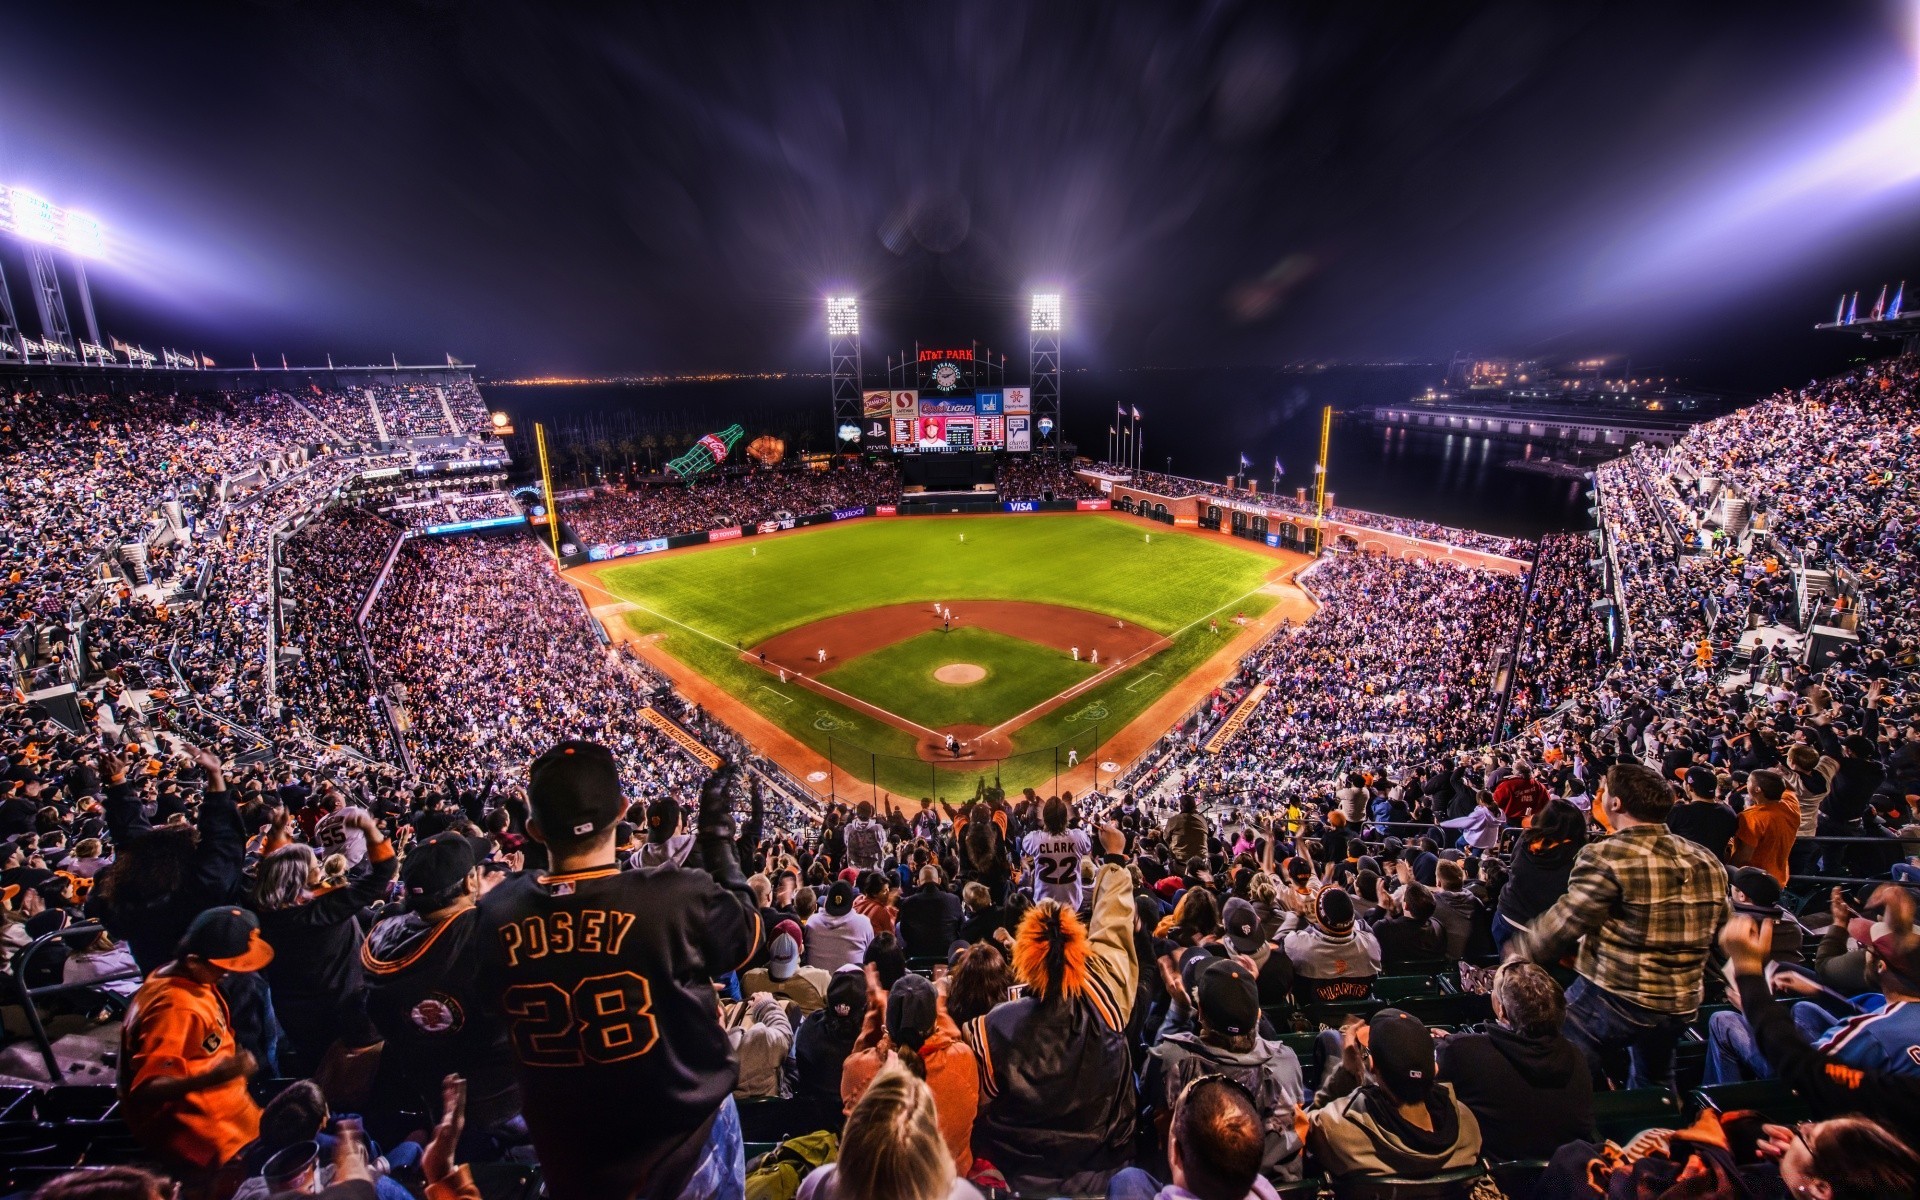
point(605, 187)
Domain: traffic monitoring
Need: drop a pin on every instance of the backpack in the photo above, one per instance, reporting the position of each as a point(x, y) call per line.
point(776, 1175)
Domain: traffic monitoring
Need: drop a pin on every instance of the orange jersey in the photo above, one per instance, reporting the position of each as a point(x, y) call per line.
point(177, 1027)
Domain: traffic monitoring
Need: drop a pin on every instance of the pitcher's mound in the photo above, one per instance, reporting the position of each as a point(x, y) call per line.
point(960, 673)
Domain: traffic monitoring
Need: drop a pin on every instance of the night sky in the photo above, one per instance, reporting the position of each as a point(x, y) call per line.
point(558, 188)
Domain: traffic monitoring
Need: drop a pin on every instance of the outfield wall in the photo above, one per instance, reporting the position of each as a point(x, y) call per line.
point(607, 552)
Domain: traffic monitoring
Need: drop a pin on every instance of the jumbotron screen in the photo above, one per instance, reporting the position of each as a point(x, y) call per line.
point(915, 421)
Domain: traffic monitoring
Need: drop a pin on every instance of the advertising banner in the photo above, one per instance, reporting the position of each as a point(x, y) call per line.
point(1273, 539)
point(906, 404)
point(1093, 505)
point(1021, 506)
point(886, 510)
point(624, 549)
point(987, 404)
point(1018, 400)
point(723, 535)
point(947, 406)
point(681, 738)
point(875, 434)
point(875, 404)
point(1019, 432)
point(469, 526)
point(847, 514)
point(776, 526)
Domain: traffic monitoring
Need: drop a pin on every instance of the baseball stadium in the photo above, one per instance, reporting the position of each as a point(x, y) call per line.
point(1375, 676)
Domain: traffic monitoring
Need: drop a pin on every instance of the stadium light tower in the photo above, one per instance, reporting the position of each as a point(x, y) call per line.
point(45, 228)
point(843, 366)
point(1044, 367)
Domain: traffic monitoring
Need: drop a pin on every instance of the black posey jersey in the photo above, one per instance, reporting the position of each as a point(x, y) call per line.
point(604, 979)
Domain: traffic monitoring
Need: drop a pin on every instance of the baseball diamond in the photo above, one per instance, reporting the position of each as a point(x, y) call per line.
point(835, 637)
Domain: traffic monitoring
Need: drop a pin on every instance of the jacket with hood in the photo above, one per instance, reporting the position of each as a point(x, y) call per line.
point(670, 853)
point(423, 994)
point(1330, 966)
point(1363, 1135)
point(834, 942)
point(1268, 1070)
point(1537, 879)
point(952, 1073)
point(1531, 1094)
point(1056, 1079)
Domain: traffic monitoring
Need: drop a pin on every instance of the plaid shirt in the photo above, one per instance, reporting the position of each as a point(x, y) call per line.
point(1645, 906)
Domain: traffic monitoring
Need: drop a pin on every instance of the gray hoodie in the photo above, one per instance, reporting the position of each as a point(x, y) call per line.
point(1269, 1071)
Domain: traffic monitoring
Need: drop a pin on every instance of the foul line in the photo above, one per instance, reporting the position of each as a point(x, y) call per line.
point(1149, 675)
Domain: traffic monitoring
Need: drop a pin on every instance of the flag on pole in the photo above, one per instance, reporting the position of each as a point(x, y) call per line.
point(1136, 412)
point(1245, 462)
point(1278, 470)
point(1880, 305)
point(1898, 293)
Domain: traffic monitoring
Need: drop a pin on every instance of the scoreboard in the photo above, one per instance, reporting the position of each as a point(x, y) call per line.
point(946, 413)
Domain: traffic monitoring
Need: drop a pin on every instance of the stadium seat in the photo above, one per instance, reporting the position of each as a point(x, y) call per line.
point(1333, 1013)
point(1517, 1176)
point(1771, 1098)
point(776, 1120)
point(1453, 1009)
point(1621, 1115)
point(1395, 988)
point(1448, 1185)
point(75, 1102)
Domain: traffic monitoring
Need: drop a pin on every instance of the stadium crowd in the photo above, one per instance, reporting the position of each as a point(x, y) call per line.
point(1361, 945)
point(661, 509)
point(1037, 478)
point(1175, 487)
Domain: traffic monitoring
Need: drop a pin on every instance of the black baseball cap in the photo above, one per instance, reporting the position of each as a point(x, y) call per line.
point(574, 790)
point(437, 866)
point(1402, 1050)
point(1333, 910)
point(1229, 997)
point(847, 992)
point(911, 1010)
point(1243, 926)
point(839, 898)
point(1761, 889)
point(228, 937)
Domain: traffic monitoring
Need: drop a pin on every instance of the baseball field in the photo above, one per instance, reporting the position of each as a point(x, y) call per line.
point(923, 654)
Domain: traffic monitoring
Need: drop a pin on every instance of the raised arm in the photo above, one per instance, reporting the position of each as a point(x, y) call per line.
point(1113, 974)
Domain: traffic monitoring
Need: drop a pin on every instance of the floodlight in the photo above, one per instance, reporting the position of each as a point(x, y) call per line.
point(843, 316)
point(83, 235)
point(1046, 312)
point(33, 218)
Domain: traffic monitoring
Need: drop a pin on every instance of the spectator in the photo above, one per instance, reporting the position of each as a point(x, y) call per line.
point(929, 919)
point(1527, 1085)
point(1056, 1082)
point(1701, 818)
point(1768, 826)
point(1542, 863)
point(1228, 1044)
point(1643, 907)
point(909, 1024)
point(837, 936)
point(1333, 959)
point(184, 1089)
point(761, 1035)
point(805, 988)
point(1216, 1144)
point(891, 1149)
point(1382, 1112)
point(980, 979)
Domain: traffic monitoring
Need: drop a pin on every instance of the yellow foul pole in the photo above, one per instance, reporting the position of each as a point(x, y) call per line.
point(1320, 472)
point(546, 480)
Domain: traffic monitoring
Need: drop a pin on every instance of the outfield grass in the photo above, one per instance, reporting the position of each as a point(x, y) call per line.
point(749, 590)
point(702, 604)
point(899, 678)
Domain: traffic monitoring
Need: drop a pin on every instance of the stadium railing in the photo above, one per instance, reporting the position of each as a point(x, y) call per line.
point(29, 996)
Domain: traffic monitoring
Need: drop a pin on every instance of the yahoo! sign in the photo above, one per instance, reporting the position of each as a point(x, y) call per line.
point(847, 514)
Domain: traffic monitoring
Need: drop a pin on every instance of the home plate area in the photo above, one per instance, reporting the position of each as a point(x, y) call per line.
point(959, 675)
